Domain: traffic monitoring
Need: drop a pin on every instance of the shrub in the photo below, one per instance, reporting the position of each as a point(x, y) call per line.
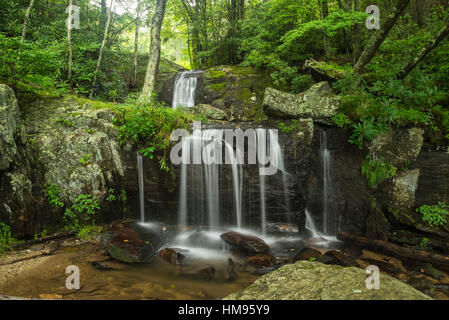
point(82, 213)
point(6, 240)
point(53, 196)
point(150, 127)
point(435, 215)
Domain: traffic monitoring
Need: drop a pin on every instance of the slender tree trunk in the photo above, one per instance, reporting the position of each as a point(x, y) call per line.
point(25, 23)
point(69, 45)
point(136, 44)
point(100, 56)
point(424, 51)
point(379, 36)
point(155, 51)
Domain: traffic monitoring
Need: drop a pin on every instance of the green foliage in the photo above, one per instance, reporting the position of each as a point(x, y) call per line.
point(424, 243)
point(377, 171)
point(111, 197)
point(81, 213)
point(65, 122)
point(294, 125)
point(89, 232)
point(53, 196)
point(6, 240)
point(435, 215)
point(150, 126)
point(85, 159)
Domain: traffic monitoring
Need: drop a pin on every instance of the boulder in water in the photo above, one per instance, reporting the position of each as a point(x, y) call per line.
point(262, 260)
point(129, 242)
point(171, 255)
point(307, 254)
point(245, 242)
point(306, 280)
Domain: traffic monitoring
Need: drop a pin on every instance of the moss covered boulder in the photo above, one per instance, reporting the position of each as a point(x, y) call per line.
point(306, 280)
point(318, 103)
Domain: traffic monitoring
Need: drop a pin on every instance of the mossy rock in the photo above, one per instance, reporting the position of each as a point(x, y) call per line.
point(306, 280)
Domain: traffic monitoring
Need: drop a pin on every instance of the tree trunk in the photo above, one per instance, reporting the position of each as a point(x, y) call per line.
point(100, 56)
point(379, 36)
point(25, 23)
point(69, 44)
point(155, 51)
point(424, 51)
point(136, 44)
point(406, 254)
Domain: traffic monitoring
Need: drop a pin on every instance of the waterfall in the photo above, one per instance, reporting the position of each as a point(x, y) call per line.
point(276, 157)
point(310, 224)
point(140, 179)
point(326, 160)
point(206, 173)
point(184, 90)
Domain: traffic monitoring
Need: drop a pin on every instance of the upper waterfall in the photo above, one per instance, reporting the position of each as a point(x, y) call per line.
point(184, 89)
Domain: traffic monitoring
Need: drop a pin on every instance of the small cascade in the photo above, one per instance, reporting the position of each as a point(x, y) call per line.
point(310, 225)
point(261, 145)
point(326, 161)
point(140, 179)
point(184, 90)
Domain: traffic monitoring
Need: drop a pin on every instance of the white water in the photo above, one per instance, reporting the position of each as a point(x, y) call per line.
point(206, 173)
point(326, 160)
point(184, 90)
point(140, 179)
point(310, 224)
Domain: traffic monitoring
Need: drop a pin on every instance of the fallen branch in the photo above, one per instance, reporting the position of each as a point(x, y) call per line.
point(407, 254)
point(18, 246)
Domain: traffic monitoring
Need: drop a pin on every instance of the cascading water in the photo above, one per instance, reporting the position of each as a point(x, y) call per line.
point(310, 224)
point(326, 160)
point(140, 179)
point(184, 90)
point(201, 167)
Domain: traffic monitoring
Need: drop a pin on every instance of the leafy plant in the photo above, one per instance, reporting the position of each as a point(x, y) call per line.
point(6, 240)
point(435, 215)
point(111, 196)
point(377, 171)
point(424, 243)
point(81, 213)
point(85, 159)
point(89, 232)
point(53, 196)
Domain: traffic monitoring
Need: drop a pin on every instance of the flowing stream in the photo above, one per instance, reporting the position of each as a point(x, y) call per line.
point(184, 90)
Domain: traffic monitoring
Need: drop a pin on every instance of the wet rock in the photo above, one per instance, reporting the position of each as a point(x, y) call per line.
point(262, 260)
point(318, 103)
point(431, 271)
point(131, 243)
point(422, 284)
point(106, 265)
point(171, 255)
point(306, 280)
point(307, 254)
point(337, 258)
point(265, 270)
point(281, 228)
point(245, 242)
